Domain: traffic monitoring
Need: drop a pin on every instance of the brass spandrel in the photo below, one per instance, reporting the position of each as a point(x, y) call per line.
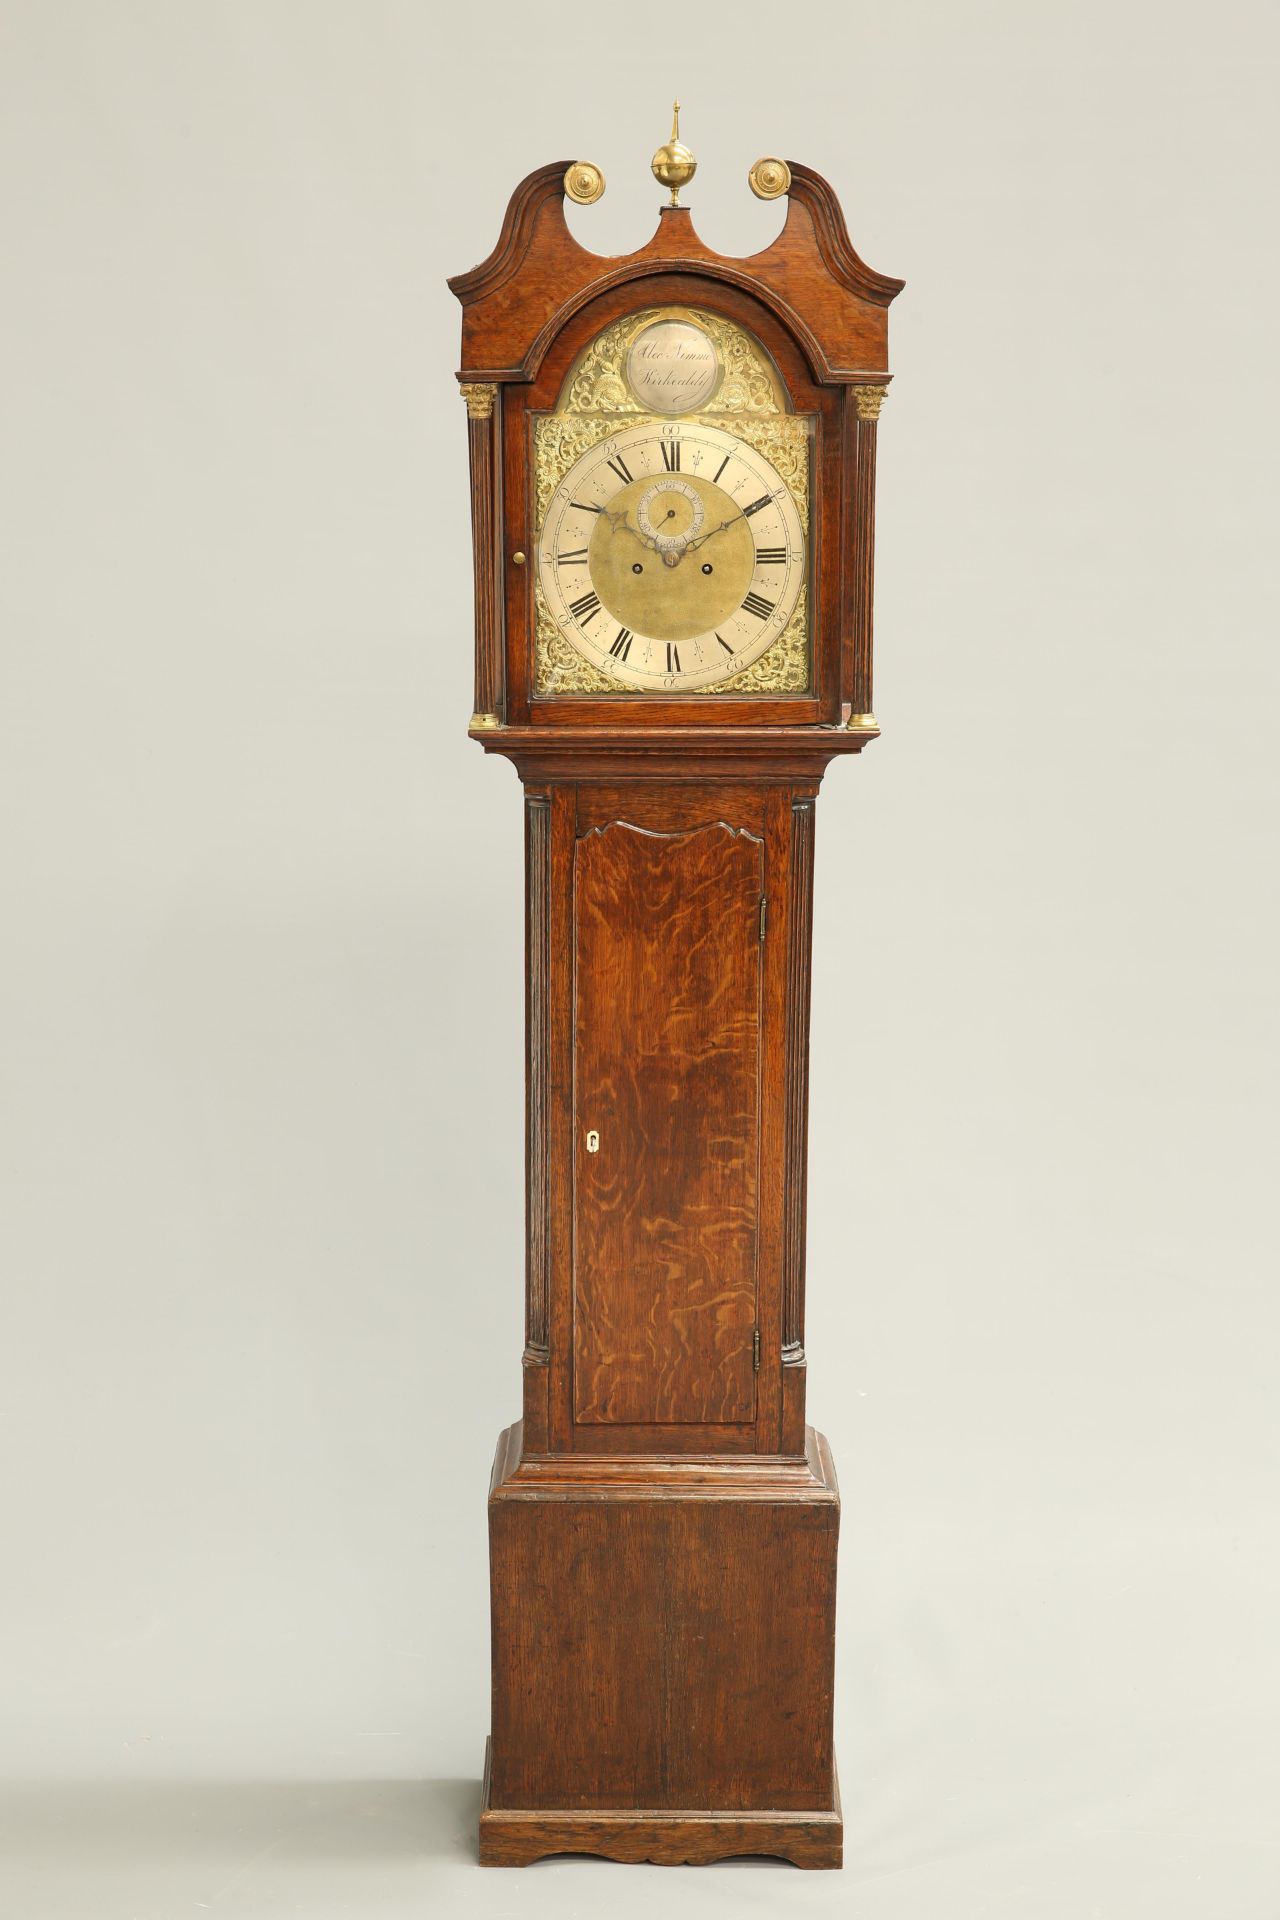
point(597, 381)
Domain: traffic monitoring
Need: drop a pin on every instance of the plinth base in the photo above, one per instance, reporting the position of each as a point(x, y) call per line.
point(664, 1837)
point(663, 1657)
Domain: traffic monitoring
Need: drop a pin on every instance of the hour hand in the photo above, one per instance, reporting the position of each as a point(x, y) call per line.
point(619, 523)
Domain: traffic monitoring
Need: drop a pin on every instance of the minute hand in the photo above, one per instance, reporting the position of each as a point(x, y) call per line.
point(692, 546)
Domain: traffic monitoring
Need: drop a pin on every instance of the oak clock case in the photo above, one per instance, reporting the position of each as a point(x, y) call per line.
point(672, 463)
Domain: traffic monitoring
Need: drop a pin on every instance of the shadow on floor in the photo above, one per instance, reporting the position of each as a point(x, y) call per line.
point(338, 1820)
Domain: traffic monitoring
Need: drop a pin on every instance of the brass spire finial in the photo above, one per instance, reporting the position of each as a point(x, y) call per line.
point(673, 164)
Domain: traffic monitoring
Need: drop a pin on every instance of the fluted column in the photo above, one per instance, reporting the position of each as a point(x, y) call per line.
point(867, 404)
point(537, 815)
point(799, 950)
point(482, 431)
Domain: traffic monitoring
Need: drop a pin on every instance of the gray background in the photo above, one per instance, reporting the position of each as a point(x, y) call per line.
point(262, 954)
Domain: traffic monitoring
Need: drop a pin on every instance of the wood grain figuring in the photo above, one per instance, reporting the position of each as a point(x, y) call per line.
point(667, 1067)
point(656, 1648)
point(560, 1122)
point(520, 1474)
point(762, 809)
point(483, 436)
point(538, 276)
point(674, 809)
point(511, 1837)
point(538, 1041)
point(799, 949)
point(779, 755)
point(861, 692)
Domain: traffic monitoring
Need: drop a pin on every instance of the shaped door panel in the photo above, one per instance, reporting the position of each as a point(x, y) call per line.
point(667, 1039)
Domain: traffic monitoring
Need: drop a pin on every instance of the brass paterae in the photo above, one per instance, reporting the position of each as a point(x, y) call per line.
point(583, 182)
point(769, 179)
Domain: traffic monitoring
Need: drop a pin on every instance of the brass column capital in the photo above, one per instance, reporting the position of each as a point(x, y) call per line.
point(868, 401)
point(479, 396)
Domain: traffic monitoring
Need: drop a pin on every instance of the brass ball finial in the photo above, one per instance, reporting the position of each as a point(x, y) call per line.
point(673, 164)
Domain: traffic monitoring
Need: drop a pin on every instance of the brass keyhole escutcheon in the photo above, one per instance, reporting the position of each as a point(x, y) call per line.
point(593, 1141)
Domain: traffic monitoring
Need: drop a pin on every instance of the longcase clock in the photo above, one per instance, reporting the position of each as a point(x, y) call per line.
point(672, 478)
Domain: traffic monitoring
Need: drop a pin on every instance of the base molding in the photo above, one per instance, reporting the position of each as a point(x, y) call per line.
point(664, 1837)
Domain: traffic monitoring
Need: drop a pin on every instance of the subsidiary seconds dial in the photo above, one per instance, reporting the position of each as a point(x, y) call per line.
point(671, 556)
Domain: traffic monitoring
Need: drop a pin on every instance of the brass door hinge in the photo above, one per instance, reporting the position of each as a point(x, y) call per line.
point(764, 915)
point(755, 1351)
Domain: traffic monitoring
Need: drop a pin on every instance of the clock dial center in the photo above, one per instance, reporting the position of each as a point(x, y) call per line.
point(672, 558)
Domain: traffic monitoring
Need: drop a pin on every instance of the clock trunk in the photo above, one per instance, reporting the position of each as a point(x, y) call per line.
point(668, 930)
point(667, 1036)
